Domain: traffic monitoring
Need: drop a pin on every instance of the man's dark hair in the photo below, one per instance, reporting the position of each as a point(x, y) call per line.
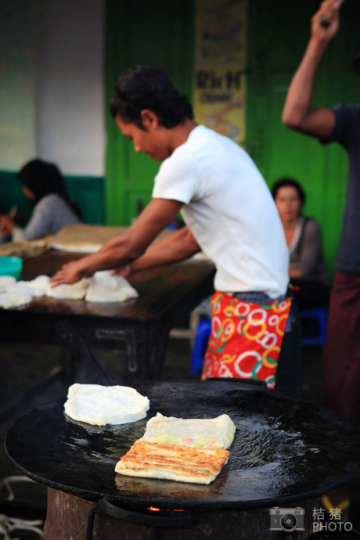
point(285, 182)
point(146, 87)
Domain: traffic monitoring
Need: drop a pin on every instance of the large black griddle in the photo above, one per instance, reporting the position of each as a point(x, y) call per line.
point(285, 450)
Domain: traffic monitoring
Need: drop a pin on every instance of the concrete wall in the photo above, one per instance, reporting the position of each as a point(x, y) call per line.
point(17, 127)
point(52, 84)
point(69, 87)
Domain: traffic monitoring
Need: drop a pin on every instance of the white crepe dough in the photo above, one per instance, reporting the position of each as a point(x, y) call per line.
point(79, 248)
point(11, 294)
point(38, 286)
point(75, 291)
point(101, 405)
point(107, 288)
point(5, 281)
point(102, 287)
point(196, 432)
point(14, 296)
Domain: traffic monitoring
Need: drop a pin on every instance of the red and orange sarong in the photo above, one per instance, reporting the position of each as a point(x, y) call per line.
point(246, 338)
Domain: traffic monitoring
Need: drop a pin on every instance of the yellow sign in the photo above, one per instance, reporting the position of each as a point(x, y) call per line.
point(220, 100)
point(220, 62)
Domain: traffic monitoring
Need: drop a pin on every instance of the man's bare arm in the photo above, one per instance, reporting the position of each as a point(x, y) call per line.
point(298, 113)
point(177, 247)
point(126, 247)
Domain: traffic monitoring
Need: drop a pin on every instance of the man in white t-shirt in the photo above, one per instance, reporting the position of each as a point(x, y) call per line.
point(227, 207)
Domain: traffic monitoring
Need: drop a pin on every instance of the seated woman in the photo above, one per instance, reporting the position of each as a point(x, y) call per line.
point(307, 270)
point(44, 186)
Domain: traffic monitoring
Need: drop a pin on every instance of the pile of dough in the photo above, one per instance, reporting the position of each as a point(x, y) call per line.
point(5, 281)
point(198, 433)
point(11, 295)
point(38, 286)
point(101, 405)
point(104, 287)
point(101, 287)
point(75, 291)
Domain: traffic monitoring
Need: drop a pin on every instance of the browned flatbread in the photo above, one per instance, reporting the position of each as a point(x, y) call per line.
point(169, 462)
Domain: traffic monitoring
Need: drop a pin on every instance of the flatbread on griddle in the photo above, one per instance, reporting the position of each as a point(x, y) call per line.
point(169, 462)
point(212, 433)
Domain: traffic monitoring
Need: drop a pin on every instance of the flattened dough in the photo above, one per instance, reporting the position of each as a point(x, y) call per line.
point(107, 288)
point(75, 291)
point(101, 287)
point(12, 294)
point(101, 405)
point(194, 432)
point(38, 286)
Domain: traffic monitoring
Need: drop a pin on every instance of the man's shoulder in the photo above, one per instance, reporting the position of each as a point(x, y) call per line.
point(202, 132)
point(347, 125)
point(347, 110)
point(204, 140)
point(203, 147)
point(188, 151)
point(199, 136)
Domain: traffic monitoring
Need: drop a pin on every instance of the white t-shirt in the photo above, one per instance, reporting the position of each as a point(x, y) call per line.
point(229, 210)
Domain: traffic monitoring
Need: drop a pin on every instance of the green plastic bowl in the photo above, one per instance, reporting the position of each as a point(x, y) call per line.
point(11, 266)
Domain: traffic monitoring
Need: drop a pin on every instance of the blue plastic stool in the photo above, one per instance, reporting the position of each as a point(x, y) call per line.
point(319, 315)
point(203, 331)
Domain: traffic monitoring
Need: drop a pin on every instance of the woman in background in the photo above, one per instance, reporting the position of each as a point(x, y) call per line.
point(307, 271)
point(44, 186)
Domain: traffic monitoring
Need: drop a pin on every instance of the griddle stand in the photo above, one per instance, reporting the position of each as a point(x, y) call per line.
point(70, 516)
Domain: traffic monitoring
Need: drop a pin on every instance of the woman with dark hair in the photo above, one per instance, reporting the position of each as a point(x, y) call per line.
point(307, 269)
point(44, 186)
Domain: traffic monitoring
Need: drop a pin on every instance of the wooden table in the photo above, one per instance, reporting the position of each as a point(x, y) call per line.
point(141, 325)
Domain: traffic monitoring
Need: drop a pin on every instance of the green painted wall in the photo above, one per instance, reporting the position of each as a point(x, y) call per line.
point(162, 34)
point(157, 33)
point(278, 34)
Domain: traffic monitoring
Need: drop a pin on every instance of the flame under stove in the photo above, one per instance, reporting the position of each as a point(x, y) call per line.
point(161, 510)
point(152, 523)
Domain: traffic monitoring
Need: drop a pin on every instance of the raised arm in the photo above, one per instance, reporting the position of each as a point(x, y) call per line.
point(298, 113)
point(124, 248)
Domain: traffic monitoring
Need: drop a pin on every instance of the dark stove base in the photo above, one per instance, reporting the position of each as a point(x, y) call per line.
point(67, 517)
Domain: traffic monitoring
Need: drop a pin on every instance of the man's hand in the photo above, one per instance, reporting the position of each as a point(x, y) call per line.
point(123, 271)
point(69, 273)
point(329, 10)
point(125, 248)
